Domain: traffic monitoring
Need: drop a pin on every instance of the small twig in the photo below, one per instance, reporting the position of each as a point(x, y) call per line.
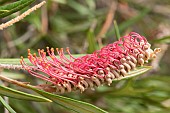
point(44, 20)
point(20, 17)
point(107, 23)
point(45, 87)
point(11, 66)
point(21, 84)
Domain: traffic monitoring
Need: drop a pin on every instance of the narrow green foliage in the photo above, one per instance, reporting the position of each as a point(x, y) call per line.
point(91, 4)
point(21, 95)
point(61, 1)
point(14, 7)
point(91, 41)
point(136, 72)
point(131, 21)
point(6, 105)
point(165, 39)
point(71, 104)
point(10, 61)
point(81, 9)
point(4, 11)
point(13, 75)
point(116, 30)
point(16, 61)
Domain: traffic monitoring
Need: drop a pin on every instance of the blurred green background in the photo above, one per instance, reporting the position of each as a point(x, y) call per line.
point(85, 26)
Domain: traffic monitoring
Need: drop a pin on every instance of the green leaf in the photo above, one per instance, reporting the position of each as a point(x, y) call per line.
point(165, 39)
point(135, 19)
point(21, 95)
point(91, 41)
point(14, 7)
point(124, 25)
point(71, 104)
point(4, 11)
point(116, 30)
point(61, 1)
point(81, 9)
point(91, 4)
point(16, 61)
point(6, 105)
point(13, 75)
point(135, 72)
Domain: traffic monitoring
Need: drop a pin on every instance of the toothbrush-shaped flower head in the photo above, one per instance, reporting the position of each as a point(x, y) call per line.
point(102, 66)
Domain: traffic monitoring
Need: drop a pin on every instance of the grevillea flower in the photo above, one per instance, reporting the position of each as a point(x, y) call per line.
point(102, 66)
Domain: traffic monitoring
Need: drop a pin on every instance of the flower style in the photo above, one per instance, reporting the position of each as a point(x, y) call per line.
point(102, 66)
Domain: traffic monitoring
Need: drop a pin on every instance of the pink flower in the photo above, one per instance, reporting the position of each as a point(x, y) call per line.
point(102, 66)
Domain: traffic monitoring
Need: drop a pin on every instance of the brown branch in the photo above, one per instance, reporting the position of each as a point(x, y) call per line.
point(20, 17)
point(107, 23)
point(11, 66)
point(9, 80)
point(44, 20)
point(45, 87)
